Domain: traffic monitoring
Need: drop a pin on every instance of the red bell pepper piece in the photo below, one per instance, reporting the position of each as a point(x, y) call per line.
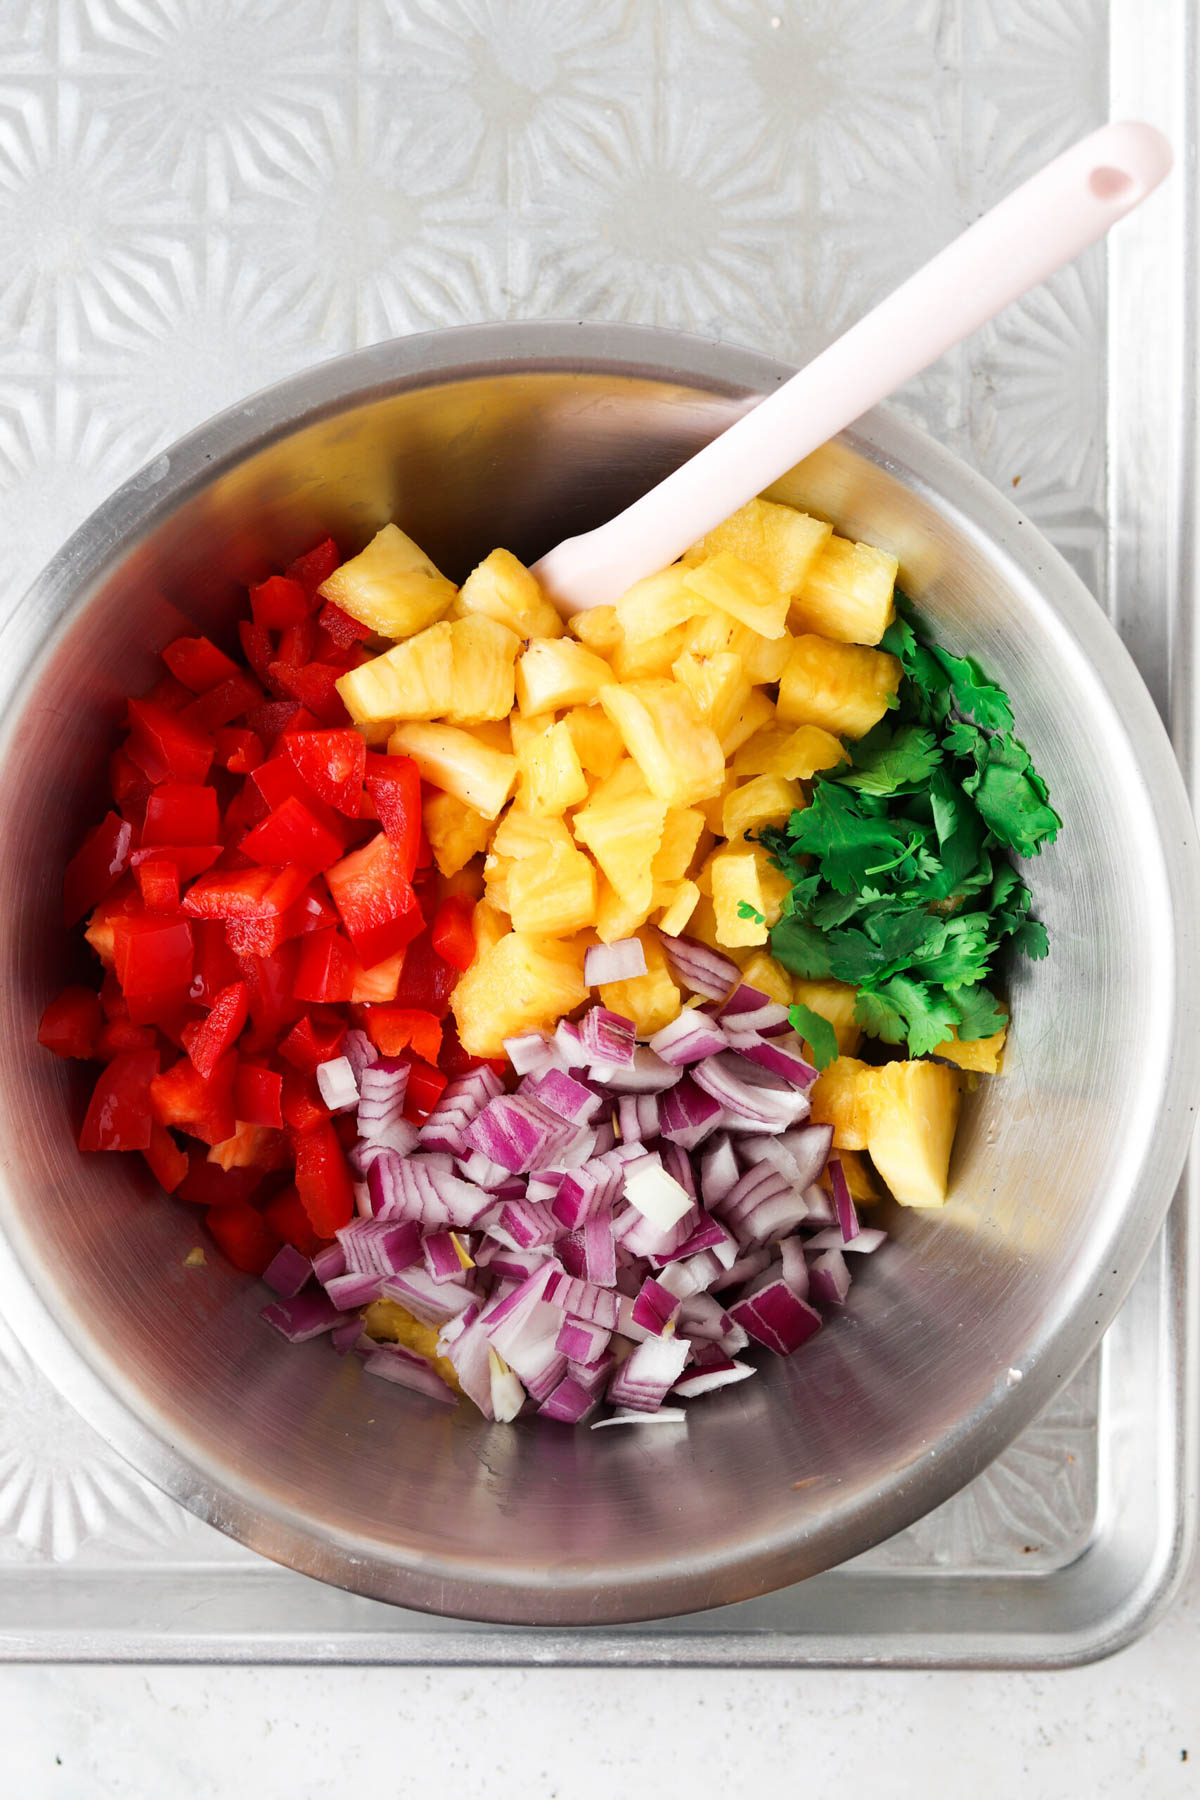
point(453, 935)
point(158, 884)
point(214, 965)
point(278, 779)
point(168, 1163)
point(302, 1104)
point(116, 1036)
point(340, 627)
point(221, 705)
point(257, 1094)
point(153, 957)
point(313, 911)
point(71, 1023)
point(200, 1105)
point(207, 1042)
point(96, 866)
point(239, 749)
point(315, 566)
point(273, 1005)
point(256, 937)
point(323, 1180)
point(424, 1090)
point(278, 602)
point(119, 1115)
point(393, 1029)
point(258, 649)
point(179, 813)
point(295, 647)
point(244, 893)
point(244, 1235)
point(427, 980)
point(314, 684)
point(130, 785)
point(189, 860)
point(168, 693)
point(293, 835)
point(375, 899)
point(312, 1041)
point(326, 969)
point(394, 784)
point(332, 763)
point(208, 1184)
point(164, 747)
point(274, 718)
point(286, 1216)
point(198, 664)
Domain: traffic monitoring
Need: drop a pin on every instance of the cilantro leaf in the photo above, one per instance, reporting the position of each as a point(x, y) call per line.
point(929, 1017)
point(880, 1017)
point(1009, 799)
point(980, 1013)
point(1031, 940)
point(987, 704)
point(747, 911)
point(843, 837)
point(817, 1033)
point(801, 948)
point(905, 757)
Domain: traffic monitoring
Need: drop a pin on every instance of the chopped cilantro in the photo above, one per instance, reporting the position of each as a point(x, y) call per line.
point(900, 884)
point(817, 1033)
point(746, 911)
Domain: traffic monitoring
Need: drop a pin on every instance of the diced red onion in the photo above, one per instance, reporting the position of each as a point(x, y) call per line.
point(778, 1058)
point(521, 1224)
point(637, 1118)
point(583, 1300)
point(329, 1262)
point(569, 1403)
point(412, 1187)
point(655, 1308)
point(776, 1317)
point(519, 1132)
point(794, 1266)
point(442, 1261)
point(847, 1217)
point(302, 1316)
point(380, 1246)
point(382, 1086)
point(353, 1290)
point(467, 1352)
point(828, 1278)
point(606, 1037)
point(708, 1234)
point(287, 1271)
point(347, 1335)
point(432, 1302)
point(359, 1051)
point(688, 1038)
point(516, 1264)
point(657, 1195)
point(581, 1340)
point(821, 1209)
point(752, 1263)
point(593, 1376)
point(663, 1415)
point(622, 960)
point(529, 1053)
point(701, 970)
point(865, 1242)
point(711, 1375)
point(645, 1377)
point(582, 1193)
point(599, 1251)
point(486, 1174)
point(508, 1396)
point(337, 1084)
point(719, 1172)
point(701, 1316)
point(688, 1115)
point(748, 1009)
point(459, 1103)
point(678, 1164)
point(756, 1100)
point(563, 1095)
point(396, 1363)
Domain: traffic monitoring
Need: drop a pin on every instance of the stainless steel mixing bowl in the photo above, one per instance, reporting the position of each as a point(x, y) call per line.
point(958, 1332)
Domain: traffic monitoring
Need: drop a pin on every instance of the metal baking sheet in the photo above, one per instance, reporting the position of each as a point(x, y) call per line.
point(194, 202)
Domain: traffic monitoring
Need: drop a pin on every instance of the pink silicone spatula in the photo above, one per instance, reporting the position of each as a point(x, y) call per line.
point(1043, 224)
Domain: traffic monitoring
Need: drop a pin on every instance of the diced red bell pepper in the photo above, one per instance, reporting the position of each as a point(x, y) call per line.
point(427, 980)
point(453, 935)
point(292, 835)
point(71, 1023)
point(179, 813)
point(286, 1216)
point(332, 763)
point(424, 1090)
point(153, 957)
point(189, 860)
point(208, 1184)
point(244, 893)
point(312, 1041)
point(222, 705)
point(252, 1147)
point(239, 749)
point(158, 884)
point(295, 647)
point(313, 911)
point(323, 1180)
point(326, 969)
point(96, 866)
point(375, 899)
point(257, 1094)
point(279, 602)
point(245, 1236)
point(256, 937)
point(168, 1163)
point(116, 1036)
point(340, 627)
point(198, 664)
point(303, 1106)
point(258, 648)
point(214, 965)
point(119, 1115)
point(315, 566)
point(394, 784)
point(275, 718)
point(377, 985)
point(168, 693)
point(273, 1004)
point(198, 1104)
point(278, 779)
point(207, 1042)
point(130, 785)
point(314, 684)
point(393, 1029)
point(164, 747)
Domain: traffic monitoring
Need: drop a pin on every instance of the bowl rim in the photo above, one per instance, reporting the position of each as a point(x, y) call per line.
point(720, 369)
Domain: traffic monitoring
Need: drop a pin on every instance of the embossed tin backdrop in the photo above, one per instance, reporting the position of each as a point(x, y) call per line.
point(199, 196)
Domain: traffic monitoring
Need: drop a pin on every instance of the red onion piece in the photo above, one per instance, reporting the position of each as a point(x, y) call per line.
point(701, 970)
point(828, 1279)
point(622, 960)
point(688, 1038)
point(644, 1378)
point(395, 1363)
point(302, 1316)
point(287, 1272)
point(776, 1317)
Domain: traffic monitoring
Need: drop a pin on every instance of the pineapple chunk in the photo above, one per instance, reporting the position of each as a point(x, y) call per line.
point(390, 1323)
point(840, 687)
point(769, 977)
point(792, 755)
point(458, 763)
point(651, 1000)
point(840, 1097)
point(623, 834)
point(502, 588)
point(599, 629)
point(714, 809)
point(757, 713)
point(765, 659)
point(617, 918)
point(742, 590)
point(484, 676)
point(766, 800)
point(626, 779)
point(912, 1111)
point(554, 673)
point(461, 672)
point(652, 656)
point(847, 594)
point(718, 686)
point(679, 755)
point(681, 834)
point(391, 586)
point(660, 603)
point(519, 834)
point(715, 633)
point(677, 912)
point(553, 893)
point(489, 927)
point(735, 884)
point(773, 885)
point(493, 734)
point(597, 741)
point(834, 1001)
point(552, 777)
point(981, 1055)
point(520, 983)
point(779, 540)
point(523, 729)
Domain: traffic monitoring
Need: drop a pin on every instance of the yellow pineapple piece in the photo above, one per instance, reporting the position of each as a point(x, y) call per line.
point(843, 688)
point(557, 672)
point(679, 908)
point(769, 977)
point(459, 763)
point(412, 680)
point(520, 983)
point(520, 834)
point(623, 834)
point(502, 588)
point(847, 594)
point(483, 679)
point(390, 1323)
point(391, 586)
point(714, 809)
point(794, 755)
point(380, 983)
point(552, 777)
point(773, 885)
point(833, 1001)
point(489, 927)
point(912, 1112)
point(599, 629)
point(757, 713)
point(250, 1144)
point(652, 656)
point(779, 540)
point(981, 1055)
point(624, 780)
point(553, 893)
point(718, 686)
point(493, 734)
point(681, 835)
point(597, 741)
point(742, 590)
point(660, 603)
point(764, 800)
point(840, 1097)
point(765, 659)
point(678, 753)
point(735, 885)
point(523, 728)
point(651, 1000)
point(617, 918)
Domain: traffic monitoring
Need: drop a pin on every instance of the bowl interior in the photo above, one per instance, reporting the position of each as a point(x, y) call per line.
point(1062, 1167)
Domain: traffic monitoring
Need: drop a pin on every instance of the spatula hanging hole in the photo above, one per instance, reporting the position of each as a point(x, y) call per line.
point(1110, 184)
